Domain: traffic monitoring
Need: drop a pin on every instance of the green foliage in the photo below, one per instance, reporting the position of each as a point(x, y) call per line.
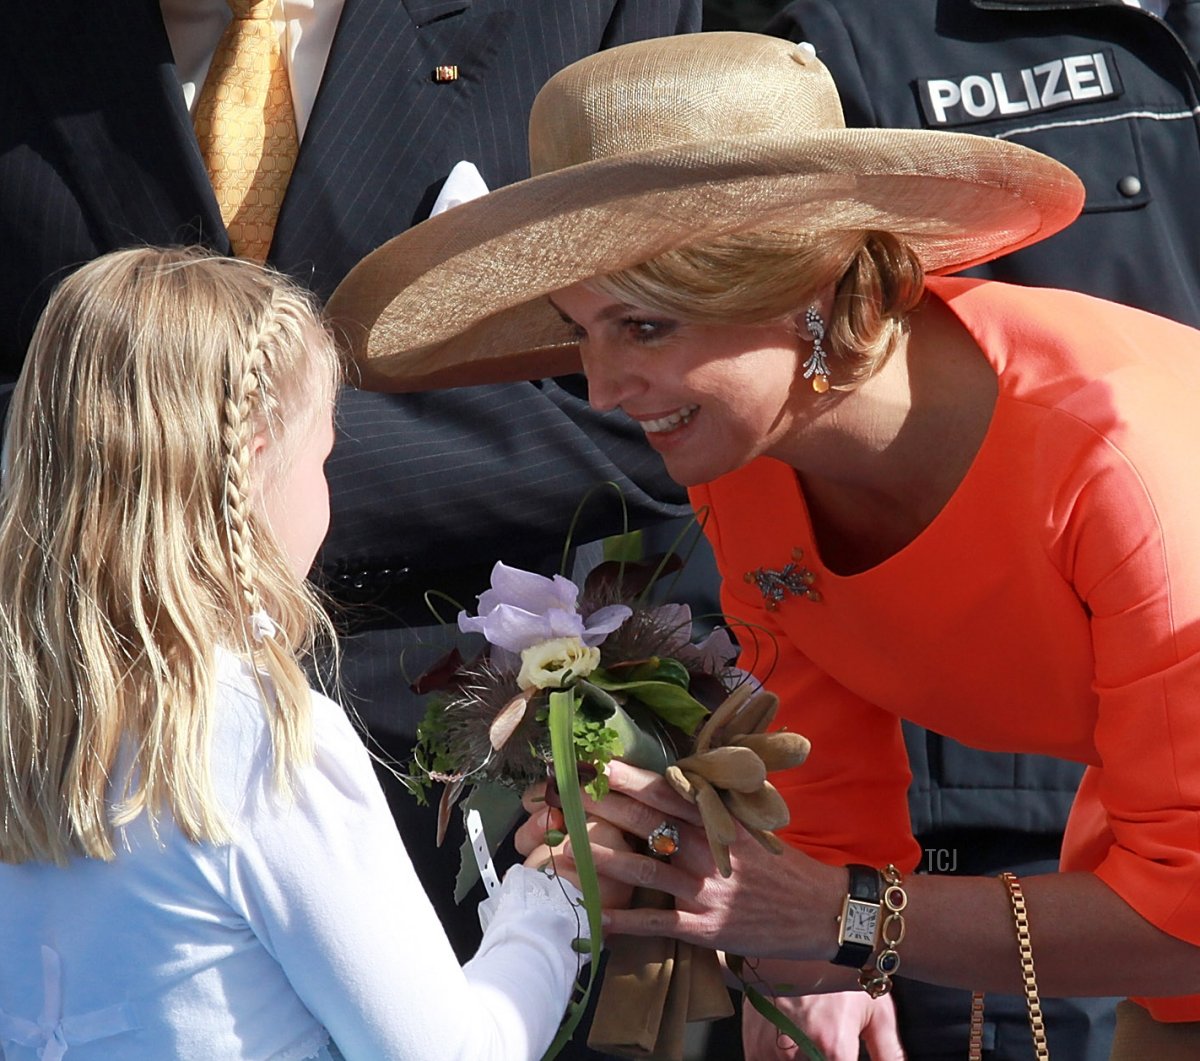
point(658, 669)
point(596, 743)
point(662, 694)
point(432, 753)
point(626, 547)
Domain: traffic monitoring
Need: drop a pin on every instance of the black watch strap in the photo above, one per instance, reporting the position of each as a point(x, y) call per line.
point(864, 886)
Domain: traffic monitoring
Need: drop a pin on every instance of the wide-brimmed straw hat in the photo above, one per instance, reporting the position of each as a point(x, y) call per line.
point(661, 144)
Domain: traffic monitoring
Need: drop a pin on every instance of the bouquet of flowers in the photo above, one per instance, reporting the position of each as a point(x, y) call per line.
point(571, 678)
point(642, 689)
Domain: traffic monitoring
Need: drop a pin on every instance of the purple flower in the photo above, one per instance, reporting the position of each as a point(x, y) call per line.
point(711, 655)
point(523, 609)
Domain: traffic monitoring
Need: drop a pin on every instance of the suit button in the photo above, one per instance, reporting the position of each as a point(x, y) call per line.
point(1129, 186)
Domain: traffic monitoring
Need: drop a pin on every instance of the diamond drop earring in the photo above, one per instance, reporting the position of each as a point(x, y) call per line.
point(816, 367)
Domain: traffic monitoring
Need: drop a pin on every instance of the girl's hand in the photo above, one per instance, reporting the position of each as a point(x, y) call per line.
point(543, 818)
point(531, 841)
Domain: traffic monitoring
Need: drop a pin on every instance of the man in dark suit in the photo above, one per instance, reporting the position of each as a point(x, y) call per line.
point(97, 152)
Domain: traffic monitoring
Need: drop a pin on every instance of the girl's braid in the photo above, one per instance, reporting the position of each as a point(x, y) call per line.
point(245, 383)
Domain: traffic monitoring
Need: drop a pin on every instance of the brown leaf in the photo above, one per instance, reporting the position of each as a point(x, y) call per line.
point(607, 580)
point(450, 793)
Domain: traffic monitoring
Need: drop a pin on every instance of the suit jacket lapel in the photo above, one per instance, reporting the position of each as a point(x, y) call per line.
point(118, 87)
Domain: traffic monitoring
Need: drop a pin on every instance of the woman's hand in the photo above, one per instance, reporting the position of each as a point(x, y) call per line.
point(782, 905)
point(786, 906)
point(838, 1024)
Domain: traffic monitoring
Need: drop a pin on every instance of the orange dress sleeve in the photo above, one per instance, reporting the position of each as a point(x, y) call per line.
point(1128, 534)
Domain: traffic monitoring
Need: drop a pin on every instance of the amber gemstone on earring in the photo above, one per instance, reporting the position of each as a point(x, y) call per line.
point(797, 553)
point(748, 576)
point(820, 384)
point(814, 596)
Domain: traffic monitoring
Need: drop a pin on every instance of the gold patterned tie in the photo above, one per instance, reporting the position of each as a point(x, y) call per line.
point(246, 127)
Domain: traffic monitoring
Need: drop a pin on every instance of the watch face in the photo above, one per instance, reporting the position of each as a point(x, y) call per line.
point(859, 921)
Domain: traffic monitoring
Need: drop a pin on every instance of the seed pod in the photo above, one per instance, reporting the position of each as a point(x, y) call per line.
point(757, 715)
point(725, 710)
point(718, 822)
point(769, 840)
point(778, 751)
point(720, 854)
point(737, 768)
point(764, 809)
point(508, 719)
point(680, 783)
point(719, 827)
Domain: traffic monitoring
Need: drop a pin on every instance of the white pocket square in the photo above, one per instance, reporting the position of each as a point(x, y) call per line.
point(464, 184)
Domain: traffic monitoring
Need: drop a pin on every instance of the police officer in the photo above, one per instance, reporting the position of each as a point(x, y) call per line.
point(1112, 90)
point(1107, 87)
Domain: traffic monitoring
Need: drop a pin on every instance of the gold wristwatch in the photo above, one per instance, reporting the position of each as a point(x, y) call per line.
point(858, 924)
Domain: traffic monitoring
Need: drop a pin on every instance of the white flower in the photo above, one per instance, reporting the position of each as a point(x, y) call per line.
point(556, 663)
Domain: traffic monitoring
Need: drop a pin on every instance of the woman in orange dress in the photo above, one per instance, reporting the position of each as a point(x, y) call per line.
point(959, 502)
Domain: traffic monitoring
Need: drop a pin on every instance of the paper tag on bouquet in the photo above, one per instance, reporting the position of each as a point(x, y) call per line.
point(483, 857)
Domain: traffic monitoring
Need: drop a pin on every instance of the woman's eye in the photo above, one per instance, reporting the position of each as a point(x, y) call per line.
point(647, 331)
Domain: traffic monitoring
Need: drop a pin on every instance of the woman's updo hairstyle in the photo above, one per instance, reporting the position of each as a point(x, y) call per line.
point(765, 277)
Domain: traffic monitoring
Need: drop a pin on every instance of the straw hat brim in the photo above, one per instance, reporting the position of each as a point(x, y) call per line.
point(459, 299)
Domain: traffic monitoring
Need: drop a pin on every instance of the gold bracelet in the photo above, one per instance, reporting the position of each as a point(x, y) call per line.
point(975, 1038)
point(1033, 1003)
point(876, 979)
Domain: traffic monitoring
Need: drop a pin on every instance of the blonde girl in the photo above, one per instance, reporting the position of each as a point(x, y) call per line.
point(196, 860)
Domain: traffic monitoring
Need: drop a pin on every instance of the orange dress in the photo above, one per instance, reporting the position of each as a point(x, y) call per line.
point(1052, 606)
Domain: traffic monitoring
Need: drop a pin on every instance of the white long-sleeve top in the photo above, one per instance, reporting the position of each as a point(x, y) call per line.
point(311, 923)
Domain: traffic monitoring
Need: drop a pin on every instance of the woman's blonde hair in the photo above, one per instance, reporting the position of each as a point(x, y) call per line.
point(764, 277)
point(130, 548)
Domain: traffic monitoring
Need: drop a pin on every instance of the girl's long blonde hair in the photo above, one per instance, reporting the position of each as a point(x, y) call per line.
point(130, 548)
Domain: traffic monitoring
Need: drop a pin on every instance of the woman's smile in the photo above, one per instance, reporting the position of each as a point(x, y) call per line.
point(666, 423)
point(709, 397)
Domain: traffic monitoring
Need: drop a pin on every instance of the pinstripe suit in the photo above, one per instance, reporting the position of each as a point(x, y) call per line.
point(97, 152)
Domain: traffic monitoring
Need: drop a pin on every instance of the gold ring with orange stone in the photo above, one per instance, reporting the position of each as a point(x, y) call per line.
point(663, 840)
